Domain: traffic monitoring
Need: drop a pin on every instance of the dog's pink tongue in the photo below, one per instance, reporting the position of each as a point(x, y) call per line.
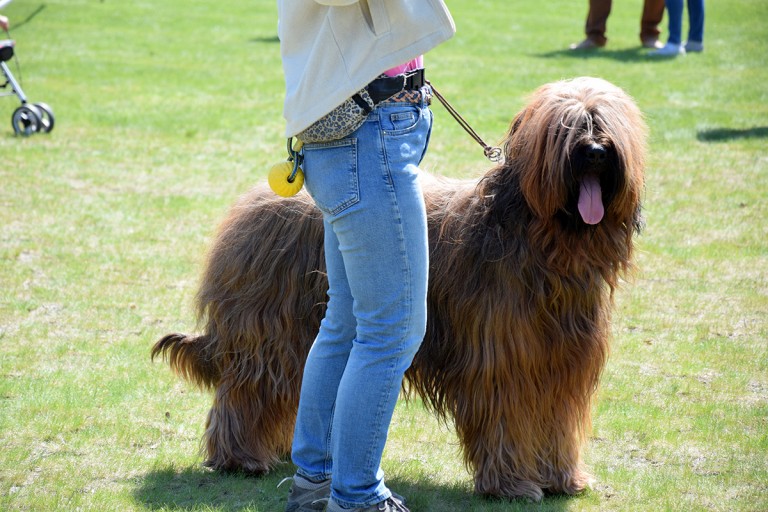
point(591, 200)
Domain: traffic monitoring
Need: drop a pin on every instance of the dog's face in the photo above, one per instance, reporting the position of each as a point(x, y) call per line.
point(592, 177)
point(579, 148)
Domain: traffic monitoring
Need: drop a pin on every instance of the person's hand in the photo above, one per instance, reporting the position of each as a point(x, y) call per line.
point(3, 22)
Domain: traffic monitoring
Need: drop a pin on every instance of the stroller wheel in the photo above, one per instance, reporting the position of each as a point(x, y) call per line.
point(26, 120)
point(46, 117)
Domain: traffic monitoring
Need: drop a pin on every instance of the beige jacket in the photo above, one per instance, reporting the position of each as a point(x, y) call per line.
point(333, 48)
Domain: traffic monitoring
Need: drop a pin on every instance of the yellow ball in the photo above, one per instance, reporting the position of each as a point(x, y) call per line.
point(278, 179)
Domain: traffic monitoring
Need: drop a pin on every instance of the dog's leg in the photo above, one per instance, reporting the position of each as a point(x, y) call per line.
point(244, 432)
point(501, 458)
point(563, 471)
point(262, 296)
point(517, 463)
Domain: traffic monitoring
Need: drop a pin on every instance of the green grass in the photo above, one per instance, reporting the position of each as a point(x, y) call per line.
point(167, 111)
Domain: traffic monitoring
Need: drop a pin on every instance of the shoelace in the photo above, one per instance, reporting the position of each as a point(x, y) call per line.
point(395, 504)
point(322, 500)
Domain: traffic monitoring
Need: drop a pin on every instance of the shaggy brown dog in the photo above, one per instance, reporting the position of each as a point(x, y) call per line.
point(524, 263)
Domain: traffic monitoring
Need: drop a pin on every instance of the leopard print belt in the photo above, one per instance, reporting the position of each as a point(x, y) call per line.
point(412, 96)
point(350, 115)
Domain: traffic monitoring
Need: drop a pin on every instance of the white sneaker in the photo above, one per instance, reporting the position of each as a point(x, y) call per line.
point(694, 46)
point(668, 50)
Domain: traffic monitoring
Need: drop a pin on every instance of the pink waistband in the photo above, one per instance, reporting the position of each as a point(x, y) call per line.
point(411, 65)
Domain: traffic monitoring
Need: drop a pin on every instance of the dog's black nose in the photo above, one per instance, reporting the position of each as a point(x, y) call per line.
point(596, 154)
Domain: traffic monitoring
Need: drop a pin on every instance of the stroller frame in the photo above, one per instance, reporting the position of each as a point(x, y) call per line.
point(28, 118)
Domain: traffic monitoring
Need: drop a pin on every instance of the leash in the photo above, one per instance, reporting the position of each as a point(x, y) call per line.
point(287, 178)
point(492, 153)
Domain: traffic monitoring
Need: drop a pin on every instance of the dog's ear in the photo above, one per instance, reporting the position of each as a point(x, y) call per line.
point(516, 123)
point(533, 149)
point(508, 146)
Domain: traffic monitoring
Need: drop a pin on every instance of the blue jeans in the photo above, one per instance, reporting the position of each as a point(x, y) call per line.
point(376, 251)
point(695, 20)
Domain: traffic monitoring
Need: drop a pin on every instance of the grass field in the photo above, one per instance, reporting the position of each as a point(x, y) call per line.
point(167, 111)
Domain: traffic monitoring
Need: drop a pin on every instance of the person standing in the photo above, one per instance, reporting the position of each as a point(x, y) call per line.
point(366, 184)
point(597, 18)
point(695, 41)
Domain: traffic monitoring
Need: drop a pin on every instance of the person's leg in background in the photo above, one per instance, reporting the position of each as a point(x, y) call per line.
point(674, 46)
point(675, 15)
point(595, 27)
point(695, 41)
point(653, 13)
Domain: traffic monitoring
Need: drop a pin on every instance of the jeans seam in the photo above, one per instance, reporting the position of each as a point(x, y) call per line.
point(408, 277)
point(328, 462)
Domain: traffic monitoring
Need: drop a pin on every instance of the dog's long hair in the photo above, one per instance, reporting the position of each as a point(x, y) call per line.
point(523, 267)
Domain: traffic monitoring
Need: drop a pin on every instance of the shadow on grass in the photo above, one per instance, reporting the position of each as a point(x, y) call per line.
point(636, 54)
point(265, 39)
point(195, 488)
point(724, 134)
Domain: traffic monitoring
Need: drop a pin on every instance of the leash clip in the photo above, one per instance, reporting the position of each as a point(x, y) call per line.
point(295, 156)
point(494, 154)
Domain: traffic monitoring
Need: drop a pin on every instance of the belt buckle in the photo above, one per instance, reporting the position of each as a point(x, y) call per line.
point(414, 79)
point(405, 82)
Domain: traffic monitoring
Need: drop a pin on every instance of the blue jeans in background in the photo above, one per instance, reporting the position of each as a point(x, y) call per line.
point(367, 187)
point(695, 20)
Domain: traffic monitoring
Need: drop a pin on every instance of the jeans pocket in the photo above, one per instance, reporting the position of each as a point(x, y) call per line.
point(400, 120)
point(330, 170)
point(406, 134)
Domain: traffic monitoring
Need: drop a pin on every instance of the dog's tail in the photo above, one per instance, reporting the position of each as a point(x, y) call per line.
point(188, 358)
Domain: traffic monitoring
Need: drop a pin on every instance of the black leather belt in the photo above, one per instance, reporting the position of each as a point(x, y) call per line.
point(387, 86)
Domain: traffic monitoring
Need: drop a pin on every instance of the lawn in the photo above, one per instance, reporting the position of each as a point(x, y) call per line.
point(167, 111)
